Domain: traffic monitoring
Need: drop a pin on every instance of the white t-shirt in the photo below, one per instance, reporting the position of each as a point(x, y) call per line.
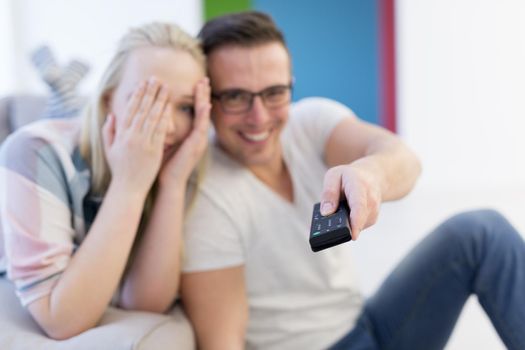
point(297, 299)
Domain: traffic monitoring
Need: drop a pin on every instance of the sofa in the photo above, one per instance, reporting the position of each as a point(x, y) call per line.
point(18, 110)
point(118, 329)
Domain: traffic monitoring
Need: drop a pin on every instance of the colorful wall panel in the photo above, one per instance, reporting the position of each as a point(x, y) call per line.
point(342, 49)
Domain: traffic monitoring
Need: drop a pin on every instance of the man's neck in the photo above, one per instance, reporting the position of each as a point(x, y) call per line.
point(269, 172)
point(276, 176)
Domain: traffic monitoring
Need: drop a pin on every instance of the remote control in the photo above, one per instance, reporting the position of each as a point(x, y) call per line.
point(331, 230)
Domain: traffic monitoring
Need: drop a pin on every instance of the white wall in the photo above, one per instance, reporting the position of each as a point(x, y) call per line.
point(6, 48)
point(461, 90)
point(461, 72)
point(88, 30)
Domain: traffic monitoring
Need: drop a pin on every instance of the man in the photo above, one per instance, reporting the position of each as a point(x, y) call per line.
point(250, 279)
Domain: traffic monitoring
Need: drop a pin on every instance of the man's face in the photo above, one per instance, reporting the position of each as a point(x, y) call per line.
point(251, 136)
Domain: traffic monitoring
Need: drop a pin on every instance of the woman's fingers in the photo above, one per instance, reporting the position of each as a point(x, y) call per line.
point(159, 125)
point(157, 111)
point(158, 134)
point(148, 100)
point(202, 106)
point(134, 103)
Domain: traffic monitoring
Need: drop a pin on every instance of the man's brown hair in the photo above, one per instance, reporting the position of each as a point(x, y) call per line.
point(239, 29)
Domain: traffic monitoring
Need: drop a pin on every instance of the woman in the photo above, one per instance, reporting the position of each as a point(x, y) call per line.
point(91, 210)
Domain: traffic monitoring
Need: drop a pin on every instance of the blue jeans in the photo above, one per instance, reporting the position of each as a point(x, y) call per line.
point(417, 306)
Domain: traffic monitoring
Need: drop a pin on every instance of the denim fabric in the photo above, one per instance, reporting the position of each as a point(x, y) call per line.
point(417, 306)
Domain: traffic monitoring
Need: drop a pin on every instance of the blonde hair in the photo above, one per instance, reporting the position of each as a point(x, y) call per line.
point(150, 35)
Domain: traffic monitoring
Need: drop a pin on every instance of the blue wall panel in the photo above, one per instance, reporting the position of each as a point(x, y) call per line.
point(334, 47)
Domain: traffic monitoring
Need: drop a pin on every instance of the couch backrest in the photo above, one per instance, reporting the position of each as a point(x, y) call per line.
point(19, 110)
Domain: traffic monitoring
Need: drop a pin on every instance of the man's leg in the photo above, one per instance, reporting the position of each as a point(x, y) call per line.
point(476, 252)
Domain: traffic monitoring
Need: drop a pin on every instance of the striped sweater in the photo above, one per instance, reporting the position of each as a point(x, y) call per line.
point(45, 208)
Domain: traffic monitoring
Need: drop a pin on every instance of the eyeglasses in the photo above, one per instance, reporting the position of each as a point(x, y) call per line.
point(241, 101)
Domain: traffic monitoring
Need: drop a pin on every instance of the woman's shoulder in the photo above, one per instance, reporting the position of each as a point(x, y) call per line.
point(47, 131)
point(38, 140)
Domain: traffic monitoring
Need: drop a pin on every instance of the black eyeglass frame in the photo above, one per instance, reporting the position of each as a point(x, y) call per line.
point(218, 96)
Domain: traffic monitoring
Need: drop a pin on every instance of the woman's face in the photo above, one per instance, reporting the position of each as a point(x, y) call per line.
point(177, 70)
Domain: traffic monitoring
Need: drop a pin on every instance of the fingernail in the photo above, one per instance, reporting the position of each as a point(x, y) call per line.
point(326, 208)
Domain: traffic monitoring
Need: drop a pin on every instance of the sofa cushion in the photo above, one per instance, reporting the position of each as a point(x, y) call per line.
point(118, 329)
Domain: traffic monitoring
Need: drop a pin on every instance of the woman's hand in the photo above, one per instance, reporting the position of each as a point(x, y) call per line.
point(134, 145)
point(181, 163)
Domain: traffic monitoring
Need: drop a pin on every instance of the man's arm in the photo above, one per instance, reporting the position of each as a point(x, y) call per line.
point(370, 165)
point(216, 303)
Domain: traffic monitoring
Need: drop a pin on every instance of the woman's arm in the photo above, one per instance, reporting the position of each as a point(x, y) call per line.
point(134, 152)
point(85, 288)
point(153, 280)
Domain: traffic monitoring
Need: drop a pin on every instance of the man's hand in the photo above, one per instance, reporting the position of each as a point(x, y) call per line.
point(362, 188)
